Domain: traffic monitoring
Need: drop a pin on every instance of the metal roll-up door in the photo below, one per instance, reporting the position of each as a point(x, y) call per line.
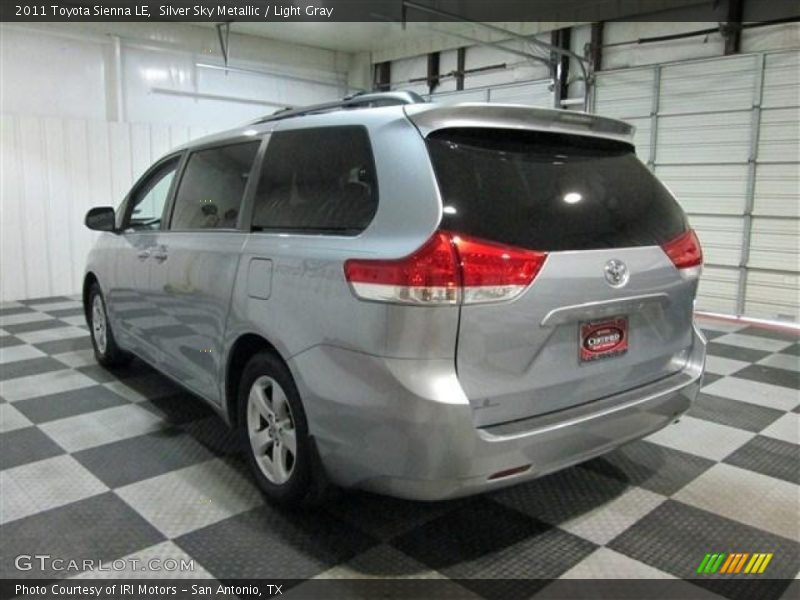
point(530, 93)
point(724, 135)
point(773, 261)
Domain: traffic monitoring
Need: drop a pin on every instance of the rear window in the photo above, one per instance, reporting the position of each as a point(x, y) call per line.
point(318, 180)
point(550, 191)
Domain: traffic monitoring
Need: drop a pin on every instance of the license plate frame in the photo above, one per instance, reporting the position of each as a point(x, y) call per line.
point(603, 339)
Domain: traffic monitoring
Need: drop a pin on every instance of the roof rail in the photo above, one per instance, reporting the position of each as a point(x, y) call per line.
point(357, 100)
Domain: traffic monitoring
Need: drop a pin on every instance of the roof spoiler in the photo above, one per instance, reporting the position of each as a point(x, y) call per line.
point(431, 117)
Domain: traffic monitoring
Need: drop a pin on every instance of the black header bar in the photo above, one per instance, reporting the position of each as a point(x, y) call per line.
point(390, 10)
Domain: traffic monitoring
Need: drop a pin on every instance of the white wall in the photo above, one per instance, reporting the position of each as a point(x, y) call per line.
point(81, 121)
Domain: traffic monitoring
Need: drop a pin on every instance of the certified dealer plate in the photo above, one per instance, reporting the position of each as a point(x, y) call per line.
point(603, 339)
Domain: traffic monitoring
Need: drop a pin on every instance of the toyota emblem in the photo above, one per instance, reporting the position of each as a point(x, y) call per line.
point(616, 273)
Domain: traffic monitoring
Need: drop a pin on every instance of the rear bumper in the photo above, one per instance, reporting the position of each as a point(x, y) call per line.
point(404, 427)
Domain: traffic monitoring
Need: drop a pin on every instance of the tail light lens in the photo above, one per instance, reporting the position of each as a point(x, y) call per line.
point(448, 269)
point(686, 254)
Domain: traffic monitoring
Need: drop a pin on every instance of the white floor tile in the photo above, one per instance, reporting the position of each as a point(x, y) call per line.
point(787, 428)
point(3, 333)
point(63, 305)
point(755, 392)
point(605, 563)
point(22, 388)
point(702, 438)
point(78, 358)
point(782, 361)
point(10, 304)
point(26, 317)
point(753, 342)
point(723, 366)
point(19, 352)
point(191, 498)
point(101, 427)
point(74, 320)
point(607, 521)
point(11, 418)
point(52, 335)
point(45, 484)
point(748, 497)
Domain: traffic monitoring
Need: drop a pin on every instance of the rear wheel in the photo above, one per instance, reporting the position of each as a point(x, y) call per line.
point(106, 351)
point(275, 432)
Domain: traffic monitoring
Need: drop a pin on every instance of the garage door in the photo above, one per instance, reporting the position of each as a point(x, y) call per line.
point(723, 134)
point(531, 93)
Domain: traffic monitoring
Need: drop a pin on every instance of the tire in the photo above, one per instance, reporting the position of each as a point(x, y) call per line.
point(272, 424)
point(106, 350)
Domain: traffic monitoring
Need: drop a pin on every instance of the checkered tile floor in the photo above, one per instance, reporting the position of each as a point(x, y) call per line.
point(108, 464)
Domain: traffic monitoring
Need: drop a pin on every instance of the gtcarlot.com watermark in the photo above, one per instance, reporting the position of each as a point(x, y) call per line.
point(46, 562)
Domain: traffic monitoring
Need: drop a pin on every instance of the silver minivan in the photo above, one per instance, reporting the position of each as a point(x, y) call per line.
point(421, 300)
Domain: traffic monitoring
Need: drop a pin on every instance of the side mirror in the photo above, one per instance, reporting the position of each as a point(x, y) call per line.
point(100, 218)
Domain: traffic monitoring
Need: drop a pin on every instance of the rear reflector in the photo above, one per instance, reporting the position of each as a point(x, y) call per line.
point(448, 269)
point(509, 472)
point(686, 254)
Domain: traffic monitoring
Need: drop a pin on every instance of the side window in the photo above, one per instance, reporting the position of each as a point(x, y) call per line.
point(148, 199)
point(319, 180)
point(212, 186)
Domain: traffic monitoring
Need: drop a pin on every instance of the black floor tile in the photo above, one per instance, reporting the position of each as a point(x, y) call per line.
point(65, 312)
point(34, 326)
point(266, 543)
point(180, 408)
point(215, 435)
point(15, 310)
point(561, 496)
point(709, 378)
point(102, 527)
point(31, 366)
point(736, 352)
point(7, 341)
point(97, 372)
point(46, 300)
point(769, 456)
point(650, 466)
point(156, 453)
point(794, 350)
point(484, 540)
point(26, 445)
point(772, 375)
point(742, 415)
point(675, 537)
point(772, 334)
point(68, 345)
point(68, 404)
point(381, 516)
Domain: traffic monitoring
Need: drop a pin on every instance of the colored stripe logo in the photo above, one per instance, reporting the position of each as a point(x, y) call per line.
point(734, 563)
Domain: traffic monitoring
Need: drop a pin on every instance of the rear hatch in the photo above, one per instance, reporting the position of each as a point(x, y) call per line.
point(609, 310)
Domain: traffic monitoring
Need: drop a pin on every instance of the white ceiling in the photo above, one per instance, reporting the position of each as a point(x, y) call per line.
point(384, 40)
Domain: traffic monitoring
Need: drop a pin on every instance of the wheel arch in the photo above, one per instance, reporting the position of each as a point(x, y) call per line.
point(88, 281)
point(243, 349)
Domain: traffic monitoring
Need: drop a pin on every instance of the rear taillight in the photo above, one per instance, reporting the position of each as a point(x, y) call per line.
point(448, 269)
point(686, 254)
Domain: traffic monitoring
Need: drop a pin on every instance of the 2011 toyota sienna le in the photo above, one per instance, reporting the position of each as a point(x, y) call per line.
point(422, 300)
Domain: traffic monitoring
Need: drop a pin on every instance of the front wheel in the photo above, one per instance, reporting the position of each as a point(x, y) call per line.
point(106, 351)
point(273, 424)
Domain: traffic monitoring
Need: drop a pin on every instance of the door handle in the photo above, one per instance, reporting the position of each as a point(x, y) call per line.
point(143, 255)
point(160, 256)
